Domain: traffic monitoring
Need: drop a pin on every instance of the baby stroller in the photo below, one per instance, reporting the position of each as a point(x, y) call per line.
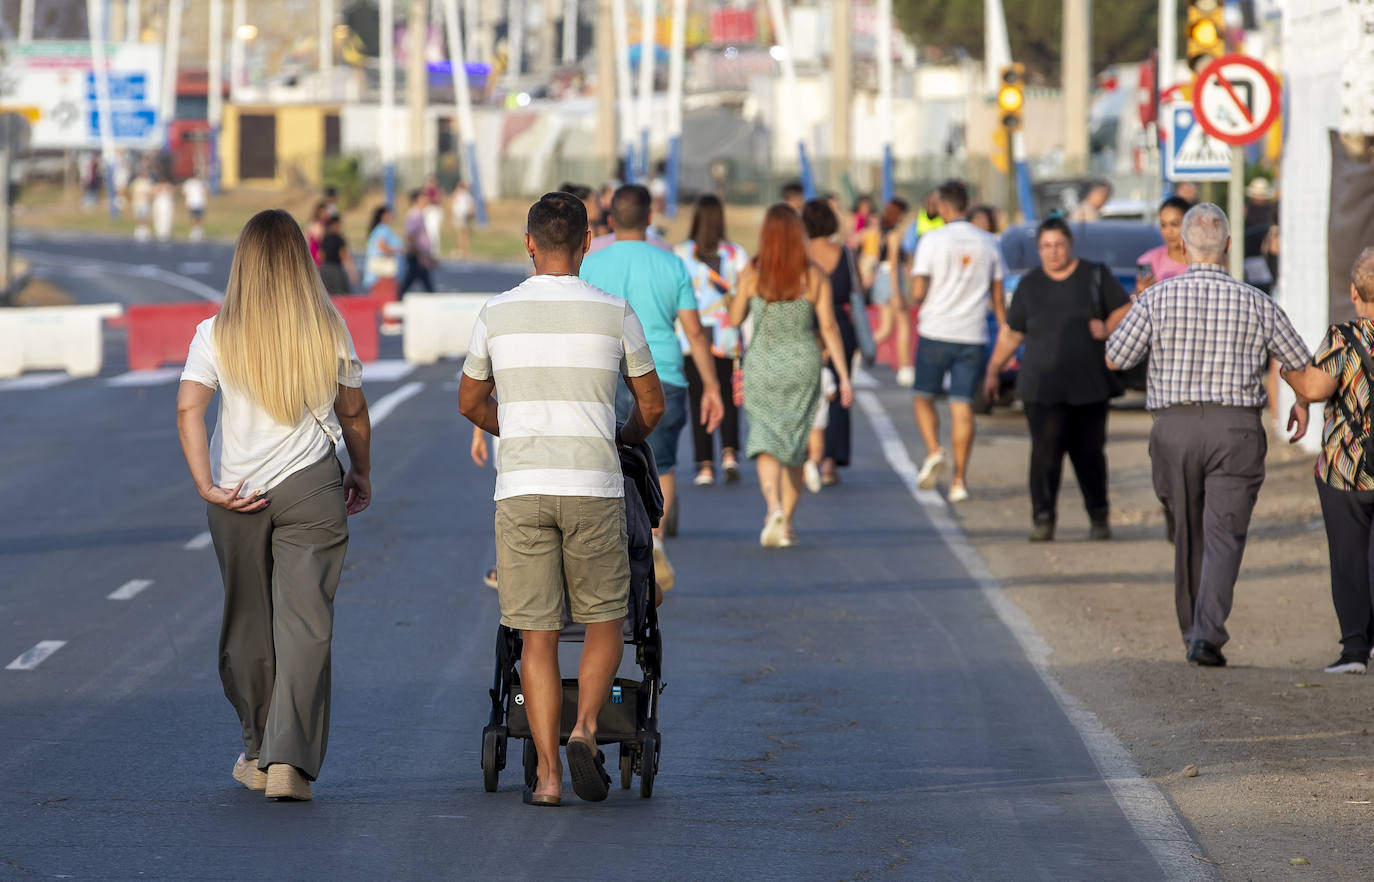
point(630, 716)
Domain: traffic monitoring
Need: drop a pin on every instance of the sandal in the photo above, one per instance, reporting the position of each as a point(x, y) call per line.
point(489, 578)
point(529, 797)
point(588, 769)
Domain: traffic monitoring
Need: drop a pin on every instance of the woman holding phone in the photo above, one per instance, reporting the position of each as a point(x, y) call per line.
point(1167, 260)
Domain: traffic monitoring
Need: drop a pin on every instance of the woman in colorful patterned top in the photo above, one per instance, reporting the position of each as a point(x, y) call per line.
point(1345, 472)
point(714, 264)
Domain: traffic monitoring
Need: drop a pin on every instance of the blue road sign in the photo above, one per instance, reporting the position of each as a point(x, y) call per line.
point(135, 123)
point(123, 87)
point(1192, 154)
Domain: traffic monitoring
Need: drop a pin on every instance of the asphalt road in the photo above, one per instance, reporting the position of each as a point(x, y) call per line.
point(850, 709)
point(97, 269)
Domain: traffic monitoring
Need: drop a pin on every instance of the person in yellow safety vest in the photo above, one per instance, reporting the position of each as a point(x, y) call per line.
point(927, 219)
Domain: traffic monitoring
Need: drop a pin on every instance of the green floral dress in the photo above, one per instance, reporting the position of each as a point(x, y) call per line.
point(782, 379)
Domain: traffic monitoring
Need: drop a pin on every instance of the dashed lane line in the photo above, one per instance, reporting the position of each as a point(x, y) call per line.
point(383, 407)
point(41, 380)
point(130, 589)
point(1141, 801)
point(199, 541)
point(32, 658)
point(387, 370)
point(155, 377)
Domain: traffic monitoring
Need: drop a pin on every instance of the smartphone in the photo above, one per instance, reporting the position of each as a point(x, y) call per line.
point(1144, 273)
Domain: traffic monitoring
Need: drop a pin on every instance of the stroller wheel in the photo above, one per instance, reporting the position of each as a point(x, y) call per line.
point(648, 764)
point(627, 765)
point(491, 769)
point(530, 758)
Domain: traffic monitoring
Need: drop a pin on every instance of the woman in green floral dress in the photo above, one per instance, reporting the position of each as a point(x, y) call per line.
point(787, 296)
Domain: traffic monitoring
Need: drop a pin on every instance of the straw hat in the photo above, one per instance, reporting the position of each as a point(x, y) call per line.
point(1259, 190)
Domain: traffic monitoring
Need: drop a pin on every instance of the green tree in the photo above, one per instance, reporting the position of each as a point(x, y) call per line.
point(1123, 30)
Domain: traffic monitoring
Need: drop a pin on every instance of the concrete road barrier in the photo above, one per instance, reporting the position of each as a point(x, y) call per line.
point(65, 338)
point(435, 326)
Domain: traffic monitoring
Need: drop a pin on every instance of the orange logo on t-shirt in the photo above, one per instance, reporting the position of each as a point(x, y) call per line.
point(965, 259)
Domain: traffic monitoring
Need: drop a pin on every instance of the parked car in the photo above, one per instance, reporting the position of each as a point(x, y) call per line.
point(1114, 243)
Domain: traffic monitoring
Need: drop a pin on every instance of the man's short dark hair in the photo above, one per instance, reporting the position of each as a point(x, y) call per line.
point(581, 191)
point(792, 188)
point(1054, 224)
point(819, 219)
point(630, 207)
point(955, 195)
point(414, 195)
point(558, 223)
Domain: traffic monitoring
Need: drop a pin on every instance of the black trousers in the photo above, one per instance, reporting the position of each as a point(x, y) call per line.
point(1081, 432)
point(415, 271)
point(702, 448)
point(1348, 515)
point(837, 431)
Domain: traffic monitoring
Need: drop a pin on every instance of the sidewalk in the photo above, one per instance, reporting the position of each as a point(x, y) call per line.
point(1282, 749)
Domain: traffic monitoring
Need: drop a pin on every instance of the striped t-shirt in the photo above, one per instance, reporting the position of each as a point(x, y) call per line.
point(556, 348)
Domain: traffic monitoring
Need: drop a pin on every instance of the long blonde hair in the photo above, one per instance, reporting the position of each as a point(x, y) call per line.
point(278, 336)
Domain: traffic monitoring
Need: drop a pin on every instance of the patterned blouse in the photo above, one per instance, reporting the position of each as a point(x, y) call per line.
point(1339, 462)
point(714, 291)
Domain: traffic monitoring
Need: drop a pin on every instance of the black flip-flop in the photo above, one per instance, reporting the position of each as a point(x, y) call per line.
point(587, 766)
point(530, 798)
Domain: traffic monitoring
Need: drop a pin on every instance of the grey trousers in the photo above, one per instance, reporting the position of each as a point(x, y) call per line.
point(281, 568)
point(1208, 465)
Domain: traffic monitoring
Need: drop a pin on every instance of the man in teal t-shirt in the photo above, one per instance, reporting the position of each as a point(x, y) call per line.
point(659, 290)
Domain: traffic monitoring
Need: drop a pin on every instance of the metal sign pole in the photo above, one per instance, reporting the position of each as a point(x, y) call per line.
point(6, 296)
point(1236, 209)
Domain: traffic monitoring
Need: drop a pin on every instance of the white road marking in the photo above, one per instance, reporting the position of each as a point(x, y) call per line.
point(384, 406)
point(1139, 798)
point(199, 541)
point(387, 370)
point(154, 377)
point(130, 589)
point(35, 657)
point(195, 268)
point(862, 379)
point(143, 270)
point(40, 380)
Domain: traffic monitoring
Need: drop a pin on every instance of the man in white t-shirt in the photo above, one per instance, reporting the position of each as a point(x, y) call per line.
point(554, 351)
point(193, 191)
point(958, 267)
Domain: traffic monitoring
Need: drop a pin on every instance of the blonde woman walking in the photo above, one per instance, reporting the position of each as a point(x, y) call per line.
point(277, 498)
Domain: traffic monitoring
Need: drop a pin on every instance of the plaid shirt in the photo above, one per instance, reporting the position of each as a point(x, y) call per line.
point(1209, 339)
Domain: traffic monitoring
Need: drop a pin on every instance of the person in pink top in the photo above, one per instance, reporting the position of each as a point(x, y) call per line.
point(1167, 260)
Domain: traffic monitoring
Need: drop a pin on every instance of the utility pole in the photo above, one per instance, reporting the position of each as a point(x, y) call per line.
point(386, 12)
point(842, 85)
point(1077, 74)
point(622, 79)
point(677, 64)
point(515, 41)
point(647, 11)
point(95, 17)
point(472, 26)
point(885, 95)
point(569, 33)
point(548, 37)
point(133, 21)
point(326, 40)
point(463, 95)
point(170, 60)
point(606, 140)
point(26, 21)
point(237, 49)
point(214, 90)
point(417, 88)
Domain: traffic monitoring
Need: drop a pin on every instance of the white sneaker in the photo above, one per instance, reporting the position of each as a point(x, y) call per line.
point(906, 377)
point(958, 493)
point(811, 476)
point(930, 470)
point(774, 530)
point(1346, 664)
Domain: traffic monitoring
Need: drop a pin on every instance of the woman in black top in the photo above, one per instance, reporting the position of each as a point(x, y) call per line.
point(336, 263)
point(1063, 312)
point(837, 261)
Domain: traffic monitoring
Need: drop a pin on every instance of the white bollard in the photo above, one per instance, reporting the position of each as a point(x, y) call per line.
point(67, 338)
point(435, 326)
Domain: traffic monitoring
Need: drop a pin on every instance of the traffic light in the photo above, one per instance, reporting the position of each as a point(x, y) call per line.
point(1011, 96)
point(1206, 32)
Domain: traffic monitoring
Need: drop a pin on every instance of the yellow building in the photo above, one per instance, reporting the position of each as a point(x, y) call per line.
point(277, 145)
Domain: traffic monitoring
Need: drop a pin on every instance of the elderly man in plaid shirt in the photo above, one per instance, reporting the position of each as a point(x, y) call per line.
point(1209, 339)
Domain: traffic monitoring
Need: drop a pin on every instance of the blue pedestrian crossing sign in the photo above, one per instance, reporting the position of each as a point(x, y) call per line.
point(1190, 153)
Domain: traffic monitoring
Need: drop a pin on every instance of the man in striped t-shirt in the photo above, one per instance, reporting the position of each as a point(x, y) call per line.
point(553, 350)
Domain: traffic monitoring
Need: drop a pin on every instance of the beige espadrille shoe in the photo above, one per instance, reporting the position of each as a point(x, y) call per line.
point(247, 773)
point(285, 781)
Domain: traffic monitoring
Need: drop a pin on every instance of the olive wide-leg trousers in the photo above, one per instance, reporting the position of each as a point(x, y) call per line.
point(281, 568)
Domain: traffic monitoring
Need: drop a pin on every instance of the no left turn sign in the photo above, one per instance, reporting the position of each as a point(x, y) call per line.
point(1236, 99)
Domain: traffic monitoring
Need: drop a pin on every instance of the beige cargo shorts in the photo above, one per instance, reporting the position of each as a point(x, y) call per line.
point(543, 541)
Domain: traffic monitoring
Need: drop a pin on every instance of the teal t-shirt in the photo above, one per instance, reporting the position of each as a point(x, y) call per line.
point(656, 285)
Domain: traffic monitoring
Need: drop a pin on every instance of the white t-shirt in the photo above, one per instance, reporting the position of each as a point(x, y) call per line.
point(464, 206)
point(194, 191)
point(248, 443)
point(961, 262)
point(556, 348)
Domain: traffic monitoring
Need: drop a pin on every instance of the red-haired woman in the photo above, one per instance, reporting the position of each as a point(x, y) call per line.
point(787, 295)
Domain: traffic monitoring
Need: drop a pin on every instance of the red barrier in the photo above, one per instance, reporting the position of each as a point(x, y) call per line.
point(887, 350)
point(161, 333)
